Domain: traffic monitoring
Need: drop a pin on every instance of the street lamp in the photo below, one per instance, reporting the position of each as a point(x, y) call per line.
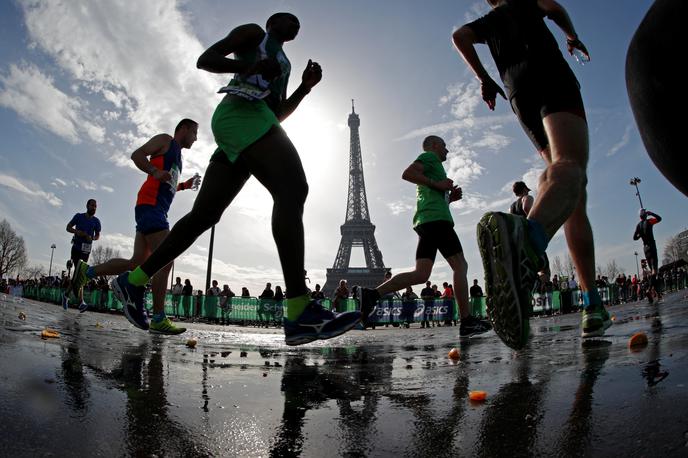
point(210, 259)
point(52, 251)
point(637, 269)
point(634, 182)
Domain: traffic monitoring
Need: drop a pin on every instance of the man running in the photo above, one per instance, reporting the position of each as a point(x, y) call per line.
point(164, 169)
point(86, 230)
point(644, 231)
point(524, 201)
point(545, 96)
point(246, 126)
point(434, 225)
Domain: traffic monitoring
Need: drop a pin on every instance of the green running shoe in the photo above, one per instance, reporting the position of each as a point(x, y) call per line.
point(592, 322)
point(511, 266)
point(165, 326)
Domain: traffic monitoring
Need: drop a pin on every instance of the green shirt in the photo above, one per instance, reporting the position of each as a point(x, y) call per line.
point(277, 88)
point(431, 204)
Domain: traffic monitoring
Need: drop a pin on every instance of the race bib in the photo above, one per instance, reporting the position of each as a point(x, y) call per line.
point(246, 91)
point(174, 181)
point(85, 247)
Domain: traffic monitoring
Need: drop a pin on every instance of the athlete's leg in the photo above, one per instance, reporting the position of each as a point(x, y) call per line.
point(159, 281)
point(419, 275)
point(221, 183)
point(459, 267)
point(276, 164)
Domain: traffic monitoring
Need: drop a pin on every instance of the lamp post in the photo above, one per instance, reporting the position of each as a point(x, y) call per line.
point(634, 182)
point(637, 268)
point(210, 259)
point(52, 251)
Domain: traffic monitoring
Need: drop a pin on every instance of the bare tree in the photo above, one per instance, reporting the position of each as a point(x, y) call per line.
point(103, 254)
point(570, 268)
point(598, 270)
point(556, 266)
point(12, 250)
point(613, 270)
point(672, 250)
point(34, 272)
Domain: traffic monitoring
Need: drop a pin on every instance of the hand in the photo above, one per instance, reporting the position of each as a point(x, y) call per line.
point(162, 175)
point(444, 185)
point(489, 90)
point(80, 233)
point(189, 184)
point(311, 75)
point(268, 68)
point(89, 238)
point(577, 44)
point(455, 194)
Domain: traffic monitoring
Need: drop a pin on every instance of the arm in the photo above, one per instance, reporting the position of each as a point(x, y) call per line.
point(311, 76)
point(156, 146)
point(558, 14)
point(71, 228)
point(414, 173)
point(527, 202)
point(657, 218)
point(245, 37)
point(636, 235)
point(464, 39)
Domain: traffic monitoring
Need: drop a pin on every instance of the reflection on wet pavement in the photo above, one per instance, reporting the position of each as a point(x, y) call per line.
point(104, 388)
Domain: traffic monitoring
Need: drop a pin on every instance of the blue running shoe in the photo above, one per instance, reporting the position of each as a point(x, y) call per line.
point(317, 323)
point(132, 299)
point(83, 307)
point(65, 301)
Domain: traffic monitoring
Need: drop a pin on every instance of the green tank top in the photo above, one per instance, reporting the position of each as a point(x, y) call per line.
point(254, 87)
point(431, 204)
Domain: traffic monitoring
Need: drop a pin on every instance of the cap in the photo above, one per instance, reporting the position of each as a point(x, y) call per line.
point(519, 187)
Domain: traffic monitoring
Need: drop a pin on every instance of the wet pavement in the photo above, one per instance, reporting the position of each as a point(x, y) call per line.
point(103, 388)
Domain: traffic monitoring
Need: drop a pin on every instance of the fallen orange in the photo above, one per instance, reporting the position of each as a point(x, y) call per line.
point(477, 396)
point(454, 353)
point(637, 340)
point(49, 333)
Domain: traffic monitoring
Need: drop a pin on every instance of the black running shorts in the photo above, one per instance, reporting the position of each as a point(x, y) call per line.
point(77, 255)
point(531, 104)
point(651, 256)
point(437, 235)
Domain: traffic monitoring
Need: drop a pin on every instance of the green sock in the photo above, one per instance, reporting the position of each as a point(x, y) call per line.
point(138, 277)
point(296, 306)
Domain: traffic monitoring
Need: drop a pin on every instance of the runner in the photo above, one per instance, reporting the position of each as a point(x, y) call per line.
point(644, 231)
point(152, 204)
point(86, 230)
point(521, 207)
point(545, 96)
point(434, 225)
point(246, 126)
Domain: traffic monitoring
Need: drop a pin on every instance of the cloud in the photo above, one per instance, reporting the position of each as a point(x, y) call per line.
point(401, 206)
point(121, 242)
point(59, 182)
point(625, 138)
point(147, 88)
point(29, 189)
point(34, 97)
point(106, 188)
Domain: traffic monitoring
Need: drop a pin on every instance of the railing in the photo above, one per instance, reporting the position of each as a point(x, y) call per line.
point(255, 311)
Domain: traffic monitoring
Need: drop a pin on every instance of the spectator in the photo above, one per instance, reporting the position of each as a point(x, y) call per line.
point(226, 296)
point(199, 303)
point(213, 290)
point(408, 306)
point(317, 295)
point(572, 282)
point(177, 290)
point(187, 293)
point(340, 294)
point(428, 296)
point(244, 292)
point(267, 293)
point(476, 290)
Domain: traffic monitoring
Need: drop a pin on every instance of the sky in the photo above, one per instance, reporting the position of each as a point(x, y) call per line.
point(84, 83)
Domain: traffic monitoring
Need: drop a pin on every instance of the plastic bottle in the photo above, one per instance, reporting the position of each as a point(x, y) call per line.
point(196, 182)
point(580, 57)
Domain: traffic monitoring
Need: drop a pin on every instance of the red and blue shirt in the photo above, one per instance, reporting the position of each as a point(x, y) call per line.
point(155, 192)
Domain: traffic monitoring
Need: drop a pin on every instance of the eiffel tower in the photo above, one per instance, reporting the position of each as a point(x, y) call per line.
point(357, 229)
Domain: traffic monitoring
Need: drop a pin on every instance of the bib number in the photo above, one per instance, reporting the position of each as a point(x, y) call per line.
point(85, 247)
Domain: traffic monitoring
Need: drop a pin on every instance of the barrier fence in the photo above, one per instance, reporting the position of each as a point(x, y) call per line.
point(252, 310)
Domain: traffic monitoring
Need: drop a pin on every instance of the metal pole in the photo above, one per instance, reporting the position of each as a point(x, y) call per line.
point(210, 259)
point(52, 251)
point(637, 268)
point(634, 182)
point(172, 276)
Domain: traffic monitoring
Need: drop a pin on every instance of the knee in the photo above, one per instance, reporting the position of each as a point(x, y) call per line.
point(570, 172)
point(294, 192)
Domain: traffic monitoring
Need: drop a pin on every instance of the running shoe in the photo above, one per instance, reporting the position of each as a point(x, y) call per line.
point(65, 301)
point(367, 302)
point(511, 266)
point(165, 326)
point(593, 321)
point(317, 323)
point(471, 326)
point(83, 307)
point(132, 299)
point(79, 278)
